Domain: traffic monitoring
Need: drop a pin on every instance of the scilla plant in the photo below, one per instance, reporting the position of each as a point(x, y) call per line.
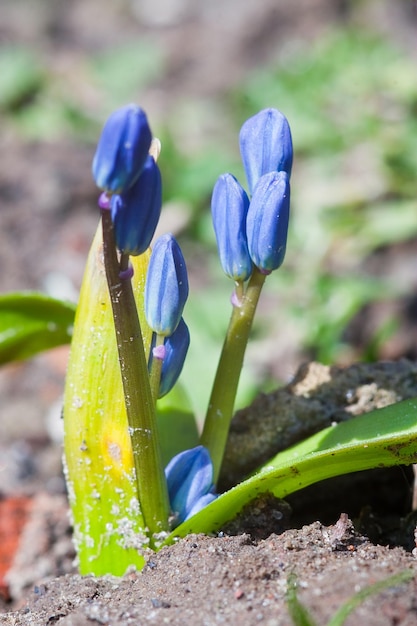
point(138, 474)
point(130, 339)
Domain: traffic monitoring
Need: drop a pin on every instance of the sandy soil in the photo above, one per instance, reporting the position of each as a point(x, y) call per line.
point(244, 572)
point(205, 581)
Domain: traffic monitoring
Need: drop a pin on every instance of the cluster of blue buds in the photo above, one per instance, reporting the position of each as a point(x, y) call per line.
point(130, 178)
point(254, 232)
point(166, 291)
point(131, 181)
point(190, 482)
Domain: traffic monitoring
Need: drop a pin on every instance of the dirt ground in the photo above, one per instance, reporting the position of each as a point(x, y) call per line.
point(244, 572)
point(204, 581)
point(48, 214)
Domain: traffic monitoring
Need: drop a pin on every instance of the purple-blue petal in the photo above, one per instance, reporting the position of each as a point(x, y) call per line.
point(229, 207)
point(122, 149)
point(201, 503)
point(176, 348)
point(267, 221)
point(166, 288)
point(189, 477)
point(136, 212)
point(265, 145)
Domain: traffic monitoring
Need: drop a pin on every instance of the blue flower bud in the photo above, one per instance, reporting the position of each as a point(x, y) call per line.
point(189, 478)
point(122, 149)
point(229, 207)
point(176, 348)
point(166, 288)
point(267, 221)
point(201, 503)
point(265, 145)
point(135, 212)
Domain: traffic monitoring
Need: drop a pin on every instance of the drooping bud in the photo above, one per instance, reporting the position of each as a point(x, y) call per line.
point(229, 207)
point(176, 348)
point(135, 212)
point(267, 221)
point(122, 149)
point(190, 482)
point(265, 145)
point(201, 503)
point(166, 288)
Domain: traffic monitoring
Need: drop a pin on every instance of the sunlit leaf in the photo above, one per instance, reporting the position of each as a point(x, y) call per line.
point(380, 438)
point(109, 529)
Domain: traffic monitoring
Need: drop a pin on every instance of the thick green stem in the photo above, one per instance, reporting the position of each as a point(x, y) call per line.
point(222, 399)
point(140, 408)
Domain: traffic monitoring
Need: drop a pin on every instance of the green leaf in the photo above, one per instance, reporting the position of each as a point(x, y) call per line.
point(32, 322)
point(380, 438)
point(109, 529)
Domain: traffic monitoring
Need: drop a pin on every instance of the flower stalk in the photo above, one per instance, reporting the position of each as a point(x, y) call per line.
point(155, 369)
point(222, 399)
point(251, 238)
point(140, 406)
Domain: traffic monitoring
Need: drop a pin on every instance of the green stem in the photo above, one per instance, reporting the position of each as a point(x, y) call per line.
point(223, 394)
point(140, 408)
point(156, 368)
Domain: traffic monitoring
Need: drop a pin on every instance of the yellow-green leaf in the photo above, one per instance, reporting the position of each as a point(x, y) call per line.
point(108, 525)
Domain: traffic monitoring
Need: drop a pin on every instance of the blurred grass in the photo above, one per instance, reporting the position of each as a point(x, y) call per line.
point(351, 100)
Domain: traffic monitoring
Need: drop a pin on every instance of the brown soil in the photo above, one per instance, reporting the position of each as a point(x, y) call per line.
point(204, 580)
point(243, 573)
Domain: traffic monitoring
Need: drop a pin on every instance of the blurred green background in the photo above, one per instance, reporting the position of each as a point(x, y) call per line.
point(344, 73)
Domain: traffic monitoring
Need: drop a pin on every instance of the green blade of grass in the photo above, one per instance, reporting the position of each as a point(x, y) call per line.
point(298, 613)
point(341, 614)
point(301, 616)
